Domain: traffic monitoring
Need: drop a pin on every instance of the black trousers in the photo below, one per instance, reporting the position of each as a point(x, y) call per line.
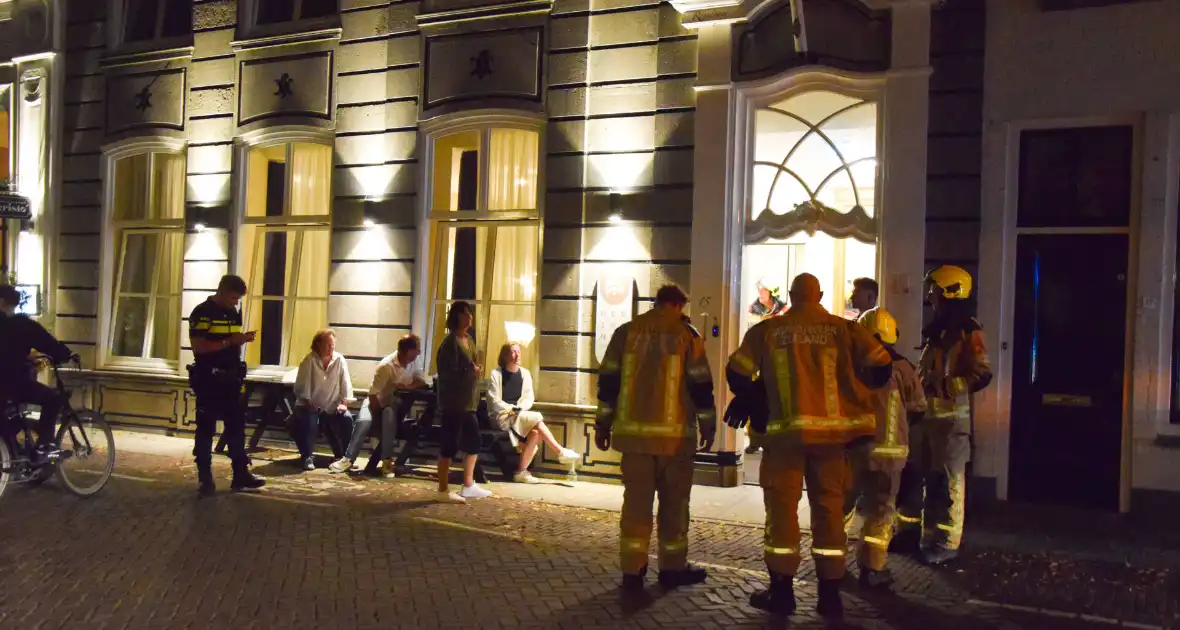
point(47, 398)
point(219, 398)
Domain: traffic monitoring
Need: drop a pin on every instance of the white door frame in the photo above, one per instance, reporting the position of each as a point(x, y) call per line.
point(997, 282)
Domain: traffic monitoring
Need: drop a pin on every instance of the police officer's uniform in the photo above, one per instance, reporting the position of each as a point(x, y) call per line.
point(218, 380)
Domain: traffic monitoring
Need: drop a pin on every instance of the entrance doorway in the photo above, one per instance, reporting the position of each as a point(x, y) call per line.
point(1070, 316)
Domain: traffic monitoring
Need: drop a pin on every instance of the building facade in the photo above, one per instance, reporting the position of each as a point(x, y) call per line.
point(363, 163)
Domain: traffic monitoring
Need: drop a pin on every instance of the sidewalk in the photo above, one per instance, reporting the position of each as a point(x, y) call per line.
point(734, 505)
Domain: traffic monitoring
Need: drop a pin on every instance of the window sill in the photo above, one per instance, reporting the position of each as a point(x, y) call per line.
point(1167, 440)
point(285, 35)
point(133, 55)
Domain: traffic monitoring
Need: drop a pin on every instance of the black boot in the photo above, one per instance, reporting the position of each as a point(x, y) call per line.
point(205, 486)
point(871, 579)
point(829, 604)
point(779, 598)
point(634, 582)
point(905, 541)
point(687, 576)
point(244, 480)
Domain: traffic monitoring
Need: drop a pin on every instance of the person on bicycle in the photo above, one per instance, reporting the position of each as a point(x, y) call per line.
point(20, 335)
point(217, 377)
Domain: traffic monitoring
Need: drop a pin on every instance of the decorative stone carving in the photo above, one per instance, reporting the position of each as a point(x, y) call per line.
point(489, 68)
point(32, 82)
point(147, 100)
point(298, 85)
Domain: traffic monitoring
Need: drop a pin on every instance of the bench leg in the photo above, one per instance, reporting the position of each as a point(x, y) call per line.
point(502, 460)
point(408, 449)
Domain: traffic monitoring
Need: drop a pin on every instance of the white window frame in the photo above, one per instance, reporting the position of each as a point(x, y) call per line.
point(426, 275)
point(110, 256)
point(320, 222)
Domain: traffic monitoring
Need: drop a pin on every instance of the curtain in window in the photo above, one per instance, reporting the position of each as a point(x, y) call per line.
point(166, 328)
point(512, 170)
point(132, 178)
point(311, 178)
point(168, 187)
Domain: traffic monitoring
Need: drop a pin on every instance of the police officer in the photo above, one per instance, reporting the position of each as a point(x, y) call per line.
point(217, 377)
point(810, 405)
point(876, 467)
point(654, 389)
point(954, 365)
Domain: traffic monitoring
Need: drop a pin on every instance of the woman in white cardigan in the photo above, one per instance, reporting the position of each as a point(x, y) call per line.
point(510, 400)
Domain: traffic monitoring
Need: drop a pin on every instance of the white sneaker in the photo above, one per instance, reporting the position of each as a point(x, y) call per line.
point(341, 465)
point(474, 492)
point(448, 497)
point(568, 455)
point(525, 476)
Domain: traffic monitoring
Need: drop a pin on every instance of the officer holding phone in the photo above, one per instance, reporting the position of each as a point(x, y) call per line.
point(217, 377)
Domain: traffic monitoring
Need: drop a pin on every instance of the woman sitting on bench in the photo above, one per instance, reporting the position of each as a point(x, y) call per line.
point(510, 400)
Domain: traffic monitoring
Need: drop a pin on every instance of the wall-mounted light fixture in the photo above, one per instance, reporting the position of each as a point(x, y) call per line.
point(369, 223)
point(616, 207)
point(199, 227)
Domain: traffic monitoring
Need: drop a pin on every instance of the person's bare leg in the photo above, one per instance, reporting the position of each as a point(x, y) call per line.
point(530, 450)
point(548, 437)
point(444, 469)
point(469, 470)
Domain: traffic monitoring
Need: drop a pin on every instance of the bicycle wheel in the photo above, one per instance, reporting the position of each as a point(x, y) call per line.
point(5, 464)
point(88, 452)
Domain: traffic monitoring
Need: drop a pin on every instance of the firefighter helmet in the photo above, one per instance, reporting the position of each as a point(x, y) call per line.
point(882, 324)
point(953, 282)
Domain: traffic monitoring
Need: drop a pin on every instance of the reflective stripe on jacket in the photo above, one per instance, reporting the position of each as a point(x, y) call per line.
point(808, 359)
point(895, 403)
point(654, 385)
point(954, 365)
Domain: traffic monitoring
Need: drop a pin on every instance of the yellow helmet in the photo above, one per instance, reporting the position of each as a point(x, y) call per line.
point(880, 323)
point(954, 282)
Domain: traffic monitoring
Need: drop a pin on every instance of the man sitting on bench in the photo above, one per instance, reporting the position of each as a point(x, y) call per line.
point(510, 400)
point(396, 373)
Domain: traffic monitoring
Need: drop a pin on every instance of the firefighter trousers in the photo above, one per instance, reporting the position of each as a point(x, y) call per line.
point(645, 477)
point(876, 480)
point(933, 485)
point(782, 473)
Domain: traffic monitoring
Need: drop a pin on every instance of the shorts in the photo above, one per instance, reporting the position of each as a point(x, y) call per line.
point(460, 432)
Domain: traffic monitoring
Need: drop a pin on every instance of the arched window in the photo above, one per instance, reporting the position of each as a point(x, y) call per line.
point(812, 196)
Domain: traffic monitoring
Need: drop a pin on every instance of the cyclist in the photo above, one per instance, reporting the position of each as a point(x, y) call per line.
point(20, 335)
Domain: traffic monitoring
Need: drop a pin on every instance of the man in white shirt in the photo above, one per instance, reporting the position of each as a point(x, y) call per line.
point(396, 373)
point(323, 389)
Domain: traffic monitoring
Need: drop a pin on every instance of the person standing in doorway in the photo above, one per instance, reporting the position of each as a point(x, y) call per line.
point(654, 391)
point(954, 365)
point(876, 467)
point(458, 399)
point(864, 295)
point(217, 376)
point(812, 402)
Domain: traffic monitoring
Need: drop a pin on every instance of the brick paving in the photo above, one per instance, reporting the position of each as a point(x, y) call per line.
point(321, 550)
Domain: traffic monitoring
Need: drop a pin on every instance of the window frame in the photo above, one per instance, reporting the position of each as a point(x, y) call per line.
point(432, 225)
point(110, 257)
point(117, 30)
point(244, 144)
point(249, 28)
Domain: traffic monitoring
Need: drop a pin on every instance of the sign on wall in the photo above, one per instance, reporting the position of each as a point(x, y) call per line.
point(614, 305)
point(482, 66)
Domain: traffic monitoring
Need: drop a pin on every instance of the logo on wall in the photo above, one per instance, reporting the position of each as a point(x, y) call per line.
point(284, 84)
point(143, 99)
point(614, 306)
point(481, 64)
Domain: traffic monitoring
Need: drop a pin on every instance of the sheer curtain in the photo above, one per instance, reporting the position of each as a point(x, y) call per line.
point(308, 251)
point(512, 251)
point(310, 174)
point(166, 319)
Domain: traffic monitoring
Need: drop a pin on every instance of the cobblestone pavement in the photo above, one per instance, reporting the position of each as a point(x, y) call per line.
point(320, 550)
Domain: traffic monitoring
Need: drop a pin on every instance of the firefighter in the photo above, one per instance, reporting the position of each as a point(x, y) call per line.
point(654, 389)
point(813, 401)
point(876, 468)
point(953, 366)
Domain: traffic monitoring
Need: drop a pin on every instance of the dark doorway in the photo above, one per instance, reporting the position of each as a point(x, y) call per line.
point(274, 279)
point(1070, 316)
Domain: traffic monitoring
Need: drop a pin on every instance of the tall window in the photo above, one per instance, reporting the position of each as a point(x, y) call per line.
point(5, 171)
point(276, 11)
point(283, 250)
point(147, 217)
point(812, 199)
point(145, 20)
point(485, 230)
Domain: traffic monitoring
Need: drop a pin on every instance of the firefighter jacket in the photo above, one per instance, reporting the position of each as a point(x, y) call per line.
point(954, 365)
point(654, 386)
point(897, 404)
point(809, 361)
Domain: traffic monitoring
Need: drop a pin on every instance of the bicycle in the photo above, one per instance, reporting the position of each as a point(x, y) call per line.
point(87, 447)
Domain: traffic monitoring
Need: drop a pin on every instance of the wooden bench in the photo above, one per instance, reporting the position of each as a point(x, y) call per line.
point(425, 427)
